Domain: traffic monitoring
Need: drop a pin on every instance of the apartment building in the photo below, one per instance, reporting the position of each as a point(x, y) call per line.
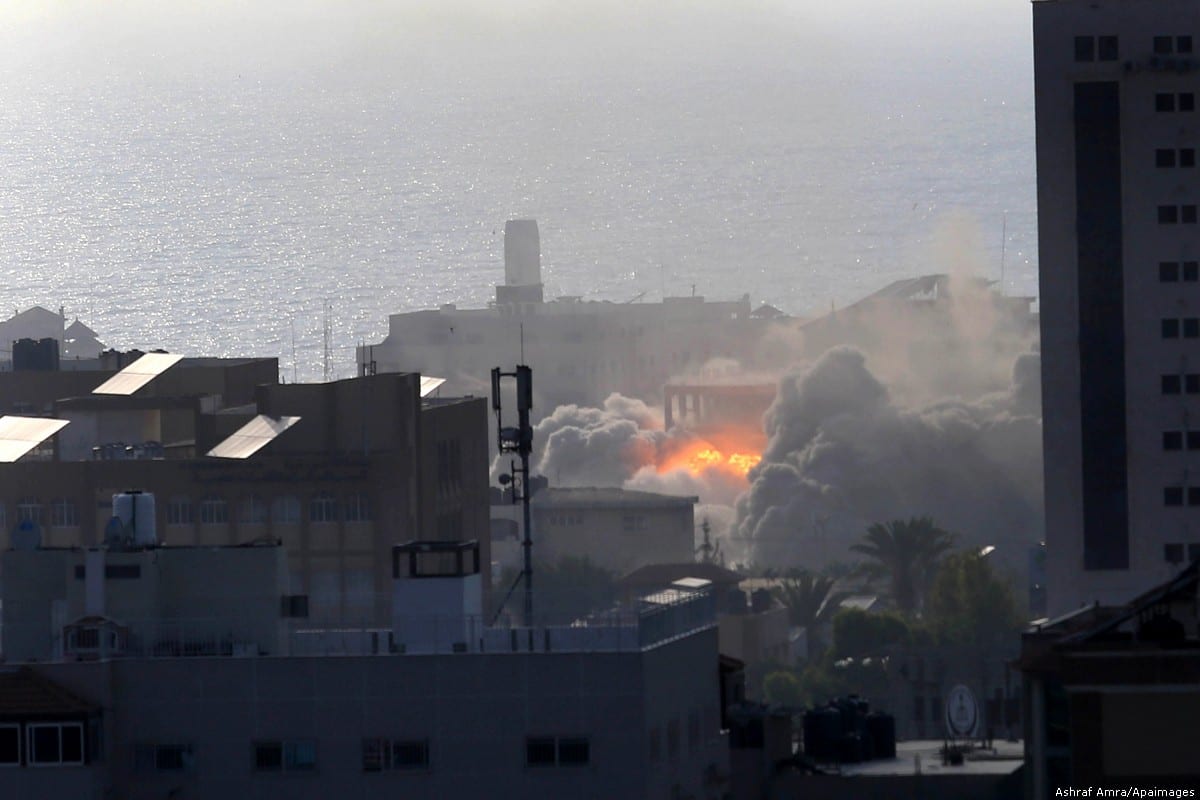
point(370, 463)
point(436, 704)
point(1119, 245)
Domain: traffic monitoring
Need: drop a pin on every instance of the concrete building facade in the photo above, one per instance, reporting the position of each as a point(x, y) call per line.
point(369, 464)
point(1118, 246)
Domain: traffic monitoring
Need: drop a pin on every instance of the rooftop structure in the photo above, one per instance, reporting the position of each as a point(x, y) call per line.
point(436, 707)
point(581, 350)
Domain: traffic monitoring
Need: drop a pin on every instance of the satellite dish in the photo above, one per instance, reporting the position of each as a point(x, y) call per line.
point(26, 535)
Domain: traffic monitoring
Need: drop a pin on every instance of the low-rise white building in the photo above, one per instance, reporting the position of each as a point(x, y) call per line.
point(624, 705)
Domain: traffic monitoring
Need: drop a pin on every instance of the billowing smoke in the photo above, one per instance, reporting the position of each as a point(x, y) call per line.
point(843, 453)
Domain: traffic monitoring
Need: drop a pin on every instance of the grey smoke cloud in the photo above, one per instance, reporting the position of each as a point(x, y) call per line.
point(843, 454)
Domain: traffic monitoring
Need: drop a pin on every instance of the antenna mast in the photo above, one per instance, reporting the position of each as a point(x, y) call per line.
point(518, 440)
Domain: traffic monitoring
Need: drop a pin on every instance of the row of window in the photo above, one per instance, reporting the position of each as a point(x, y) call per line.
point(1175, 440)
point(1188, 327)
point(564, 520)
point(1107, 48)
point(322, 507)
point(1174, 101)
point(1174, 553)
point(1175, 495)
point(1096, 48)
point(1171, 157)
point(45, 744)
point(1181, 384)
point(1174, 271)
point(379, 754)
point(63, 512)
point(1172, 215)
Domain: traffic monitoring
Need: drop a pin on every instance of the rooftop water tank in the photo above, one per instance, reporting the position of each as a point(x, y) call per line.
point(136, 511)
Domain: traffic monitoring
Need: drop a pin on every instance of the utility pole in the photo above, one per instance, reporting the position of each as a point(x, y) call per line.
point(519, 440)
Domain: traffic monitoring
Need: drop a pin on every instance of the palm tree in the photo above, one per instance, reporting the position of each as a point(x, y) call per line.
point(810, 601)
point(906, 553)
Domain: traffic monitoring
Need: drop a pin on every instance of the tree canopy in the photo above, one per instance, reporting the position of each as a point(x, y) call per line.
point(905, 553)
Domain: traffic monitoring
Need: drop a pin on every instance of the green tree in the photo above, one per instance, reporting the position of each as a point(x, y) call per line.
point(861, 634)
point(906, 554)
point(782, 688)
point(811, 603)
point(970, 604)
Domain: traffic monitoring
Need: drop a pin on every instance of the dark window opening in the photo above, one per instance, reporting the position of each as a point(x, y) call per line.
point(1173, 553)
point(1187, 101)
point(1170, 329)
point(1191, 271)
point(1164, 158)
point(1191, 328)
point(1191, 383)
point(1085, 48)
point(1171, 384)
point(573, 751)
point(1108, 48)
point(1183, 44)
point(1168, 271)
point(539, 752)
point(1193, 495)
point(1188, 215)
point(1193, 440)
point(1163, 45)
point(1164, 101)
point(1172, 440)
point(1173, 496)
point(1168, 215)
point(1187, 157)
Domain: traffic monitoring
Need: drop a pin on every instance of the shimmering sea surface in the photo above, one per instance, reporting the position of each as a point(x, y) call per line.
point(205, 177)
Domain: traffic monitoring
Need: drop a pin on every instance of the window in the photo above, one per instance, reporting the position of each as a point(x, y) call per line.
point(30, 510)
point(285, 756)
point(323, 508)
point(1187, 157)
point(54, 743)
point(632, 523)
point(1164, 158)
point(1170, 329)
point(1173, 496)
point(1172, 440)
point(358, 507)
point(285, 509)
point(398, 754)
point(563, 751)
point(1191, 383)
point(1193, 440)
point(162, 757)
point(1164, 101)
point(1193, 552)
point(1170, 384)
point(1193, 496)
point(1191, 328)
point(1168, 271)
point(63, 513)
point(1183, 44)
point(1186, 101)
point(1191, 271)
point(541, 751)
point(1163, 45)
point(179, 510)
point(1168, 215)
point(1167, 102)
point(1085, 48)
point(253, 510)
point(1187, 215)
point(10, 745)
point(214, 511)
point(1108, 48)
point(294, 605)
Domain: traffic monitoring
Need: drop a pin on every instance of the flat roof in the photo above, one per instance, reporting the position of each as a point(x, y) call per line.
point(1005, 757)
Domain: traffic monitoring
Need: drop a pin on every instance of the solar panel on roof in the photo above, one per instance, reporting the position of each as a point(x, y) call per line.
point(253, 436)
point(19, 435)
point(138, 374)
point(429, 384)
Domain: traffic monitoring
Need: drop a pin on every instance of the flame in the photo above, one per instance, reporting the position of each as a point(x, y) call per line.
point(699, 455)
